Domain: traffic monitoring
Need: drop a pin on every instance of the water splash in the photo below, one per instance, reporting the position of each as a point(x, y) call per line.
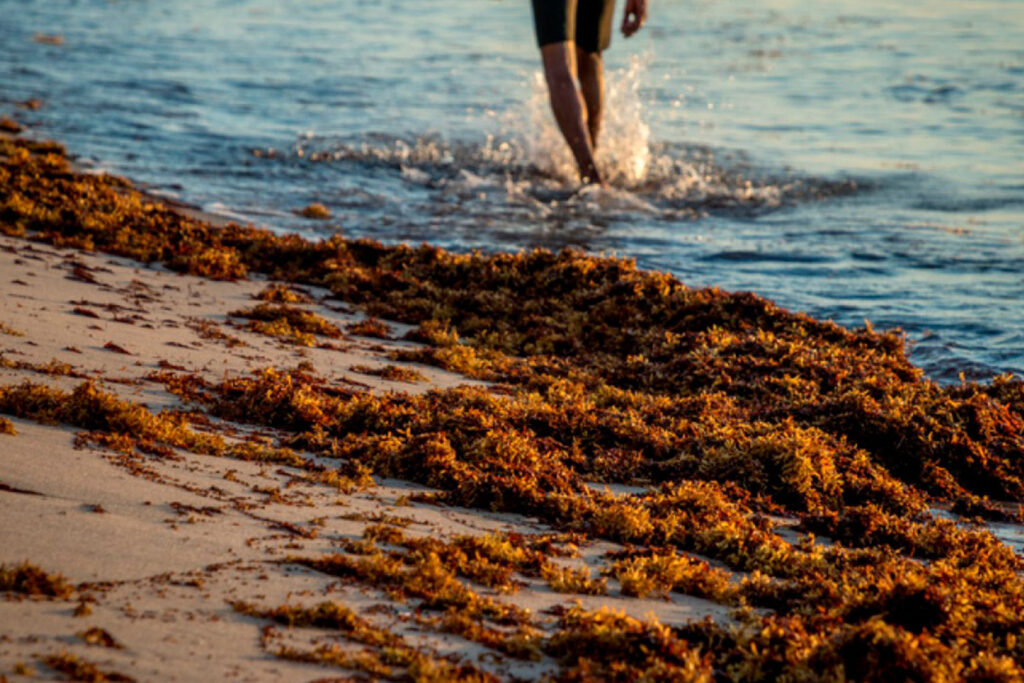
point(623, 151)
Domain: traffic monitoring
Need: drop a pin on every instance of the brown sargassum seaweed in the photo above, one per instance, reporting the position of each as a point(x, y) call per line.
point(728, 407)
point(28, 579)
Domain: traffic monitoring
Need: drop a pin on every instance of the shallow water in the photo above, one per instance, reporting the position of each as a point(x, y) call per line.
point(856, 162)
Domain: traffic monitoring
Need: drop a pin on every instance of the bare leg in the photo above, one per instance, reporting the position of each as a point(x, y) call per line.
point(568, 105)
point(591, 73)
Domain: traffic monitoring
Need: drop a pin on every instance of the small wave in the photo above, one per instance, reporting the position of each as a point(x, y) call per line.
point(922, 89)
point(966, 204)
point(745, 255)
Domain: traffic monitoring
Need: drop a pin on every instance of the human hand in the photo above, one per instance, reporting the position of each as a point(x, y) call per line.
point(634, 16)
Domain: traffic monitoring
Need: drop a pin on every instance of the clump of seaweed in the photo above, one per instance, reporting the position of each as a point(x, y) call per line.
point(386, 654)
point(53, 367)
point(522, 642)
point(98, 636)
point(564, 579)
point(28, 579)
point(78, 669)
point(278, 293)
point(23, 669)
point(207, 329)
point(491, 559)
point(48, 38)
point(371, 327)
point(288, 322)
point(326, 615)
point(7, 427)
point(8, 125)
point(316, 211)
point(610, 646)
point(8, 330)
point(641, 574)
point(394, 373)
point(426, 579)
point(129, 428)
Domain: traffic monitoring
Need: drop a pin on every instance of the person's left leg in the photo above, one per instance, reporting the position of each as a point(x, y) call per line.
point(593, 36)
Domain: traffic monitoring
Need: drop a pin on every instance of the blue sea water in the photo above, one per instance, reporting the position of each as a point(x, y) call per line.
point(857, 161)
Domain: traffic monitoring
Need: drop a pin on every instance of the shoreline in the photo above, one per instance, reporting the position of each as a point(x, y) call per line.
point(420, 434)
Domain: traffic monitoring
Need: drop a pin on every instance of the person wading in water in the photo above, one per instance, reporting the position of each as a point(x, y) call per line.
point(572, 34)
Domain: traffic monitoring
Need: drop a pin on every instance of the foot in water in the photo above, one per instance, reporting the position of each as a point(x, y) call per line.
point(606, 197)
point(589, 188)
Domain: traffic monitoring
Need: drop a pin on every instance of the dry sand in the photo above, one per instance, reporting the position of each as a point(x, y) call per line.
point(162, 549)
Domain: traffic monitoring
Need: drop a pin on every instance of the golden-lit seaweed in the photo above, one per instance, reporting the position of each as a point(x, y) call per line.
point(316, 211)
point(7, 427)
point(326, 615)
point(288, 322)
point(371, 327)
point(471, 444)
point(28, 579)
point(522, 642)
point(522, 454)
point(207, 329)
point(278, 293)
point(78, 669)
point(609, 646)
point(394, 373)
point(127, 427)
point(563, 579)
point(492, 559)
point(53, 367)
point(427, 573)
point(98, 636)
point(425, 578)
point(8, 125)
point(648, 572)
point(386, 654)
point(8, 330)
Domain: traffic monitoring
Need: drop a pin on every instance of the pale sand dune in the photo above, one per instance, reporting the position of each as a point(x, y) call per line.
point(163, 546)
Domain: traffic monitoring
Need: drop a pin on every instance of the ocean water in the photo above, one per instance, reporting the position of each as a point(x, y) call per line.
point(857, 161)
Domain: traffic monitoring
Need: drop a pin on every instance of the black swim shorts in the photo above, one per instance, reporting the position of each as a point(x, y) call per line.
point(588, 23)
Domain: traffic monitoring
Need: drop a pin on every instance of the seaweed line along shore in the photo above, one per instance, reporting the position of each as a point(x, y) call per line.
point(226, 452)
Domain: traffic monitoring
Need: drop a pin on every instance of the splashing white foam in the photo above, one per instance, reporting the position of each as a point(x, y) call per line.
point(529, 133)
point(624, 150)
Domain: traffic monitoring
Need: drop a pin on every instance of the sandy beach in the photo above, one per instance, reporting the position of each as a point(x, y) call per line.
point(242, 456)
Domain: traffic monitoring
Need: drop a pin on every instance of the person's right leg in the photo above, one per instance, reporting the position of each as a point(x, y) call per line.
point(590, 67)
point(593, 36)
point(568, 106)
